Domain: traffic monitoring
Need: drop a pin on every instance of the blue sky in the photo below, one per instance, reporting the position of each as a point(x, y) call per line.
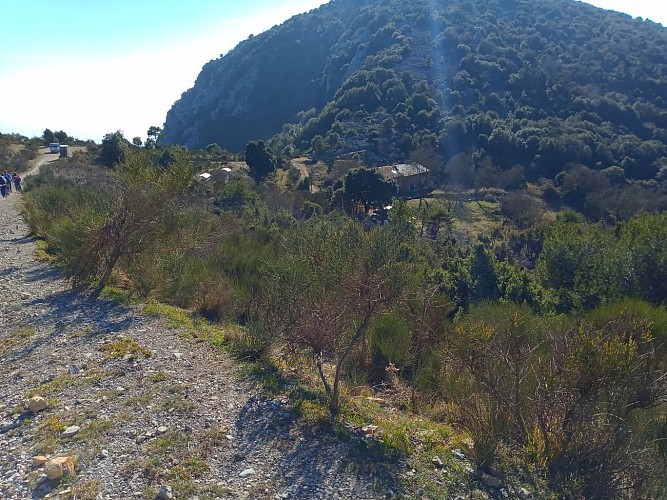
point(90, 68)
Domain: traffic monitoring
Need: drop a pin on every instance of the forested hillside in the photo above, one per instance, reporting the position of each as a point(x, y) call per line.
point(536, 84)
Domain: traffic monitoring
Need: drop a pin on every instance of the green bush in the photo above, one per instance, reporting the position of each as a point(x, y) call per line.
point(390, 338)
point(584, 400)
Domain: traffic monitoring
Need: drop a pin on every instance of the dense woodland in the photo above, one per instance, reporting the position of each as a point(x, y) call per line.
point(520, 303)
point(539, 85)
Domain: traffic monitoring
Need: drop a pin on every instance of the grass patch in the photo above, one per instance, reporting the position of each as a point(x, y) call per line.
point(65, 380)
point(191, 467)
point(400, 433)
point(169, 442)
point(18, 338)
point(46, 446)
point(86, 490)
point(177, 404)
point(481, 217)
point(176, 388)
point(193, 324)
point(158, 377)
point(95, 430)
point(124, 347)
point(140, 401)
point(172, 459)
point(315, 412)
point(178, 317)
point(44, 253)
point(52, 426)
point(47, 436)
point(59, 382)
point(116, 295)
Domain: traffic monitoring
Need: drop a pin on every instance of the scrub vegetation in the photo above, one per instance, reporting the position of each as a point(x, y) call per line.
point(539, 344)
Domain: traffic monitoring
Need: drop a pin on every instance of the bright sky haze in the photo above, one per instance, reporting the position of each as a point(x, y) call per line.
point(91, 68)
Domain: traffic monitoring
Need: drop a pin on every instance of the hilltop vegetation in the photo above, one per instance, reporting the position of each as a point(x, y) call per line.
point(16, 151)
point(541, 86)
point(485, 94)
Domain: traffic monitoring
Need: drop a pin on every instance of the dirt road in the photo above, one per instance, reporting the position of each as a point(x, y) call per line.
point(45, 156)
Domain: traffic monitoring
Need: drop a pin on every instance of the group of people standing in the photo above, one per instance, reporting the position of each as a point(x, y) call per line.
point(6, 181)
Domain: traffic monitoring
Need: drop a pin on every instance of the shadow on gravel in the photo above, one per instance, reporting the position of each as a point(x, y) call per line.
point(46, 274)
point(8, 271)
point(44, 489)
point(18, 241)
point(321, 458)
point(66, 308)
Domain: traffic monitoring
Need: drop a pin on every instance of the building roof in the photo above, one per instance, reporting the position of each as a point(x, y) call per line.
point(403, 170)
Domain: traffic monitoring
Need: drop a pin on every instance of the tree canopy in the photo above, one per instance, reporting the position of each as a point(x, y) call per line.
point(260, 159)
point(368, 187)
point(113, 148)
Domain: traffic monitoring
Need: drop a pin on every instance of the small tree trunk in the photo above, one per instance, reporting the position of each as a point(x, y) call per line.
point(320, 368)
point(107, 273)
point(334, 399)
point(334, 402)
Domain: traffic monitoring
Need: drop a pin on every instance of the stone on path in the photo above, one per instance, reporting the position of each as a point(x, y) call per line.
point(369, 430)
point(247, 472)
point(165, 493)
point(71, 431)
point(56, 467)
point(37, 403)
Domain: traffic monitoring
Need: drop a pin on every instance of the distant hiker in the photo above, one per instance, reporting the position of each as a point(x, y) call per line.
point(8, 182)
point(3, 186)
point(17, 182)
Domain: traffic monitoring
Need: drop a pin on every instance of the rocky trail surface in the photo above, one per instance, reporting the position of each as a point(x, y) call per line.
point(135, 408)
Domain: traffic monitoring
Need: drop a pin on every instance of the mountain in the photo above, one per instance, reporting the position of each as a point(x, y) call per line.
point(539, 85)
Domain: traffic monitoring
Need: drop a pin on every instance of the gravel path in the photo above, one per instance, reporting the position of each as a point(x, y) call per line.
point(152, 406)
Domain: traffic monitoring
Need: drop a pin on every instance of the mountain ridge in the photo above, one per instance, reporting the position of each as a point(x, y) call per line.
point(559, 83)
